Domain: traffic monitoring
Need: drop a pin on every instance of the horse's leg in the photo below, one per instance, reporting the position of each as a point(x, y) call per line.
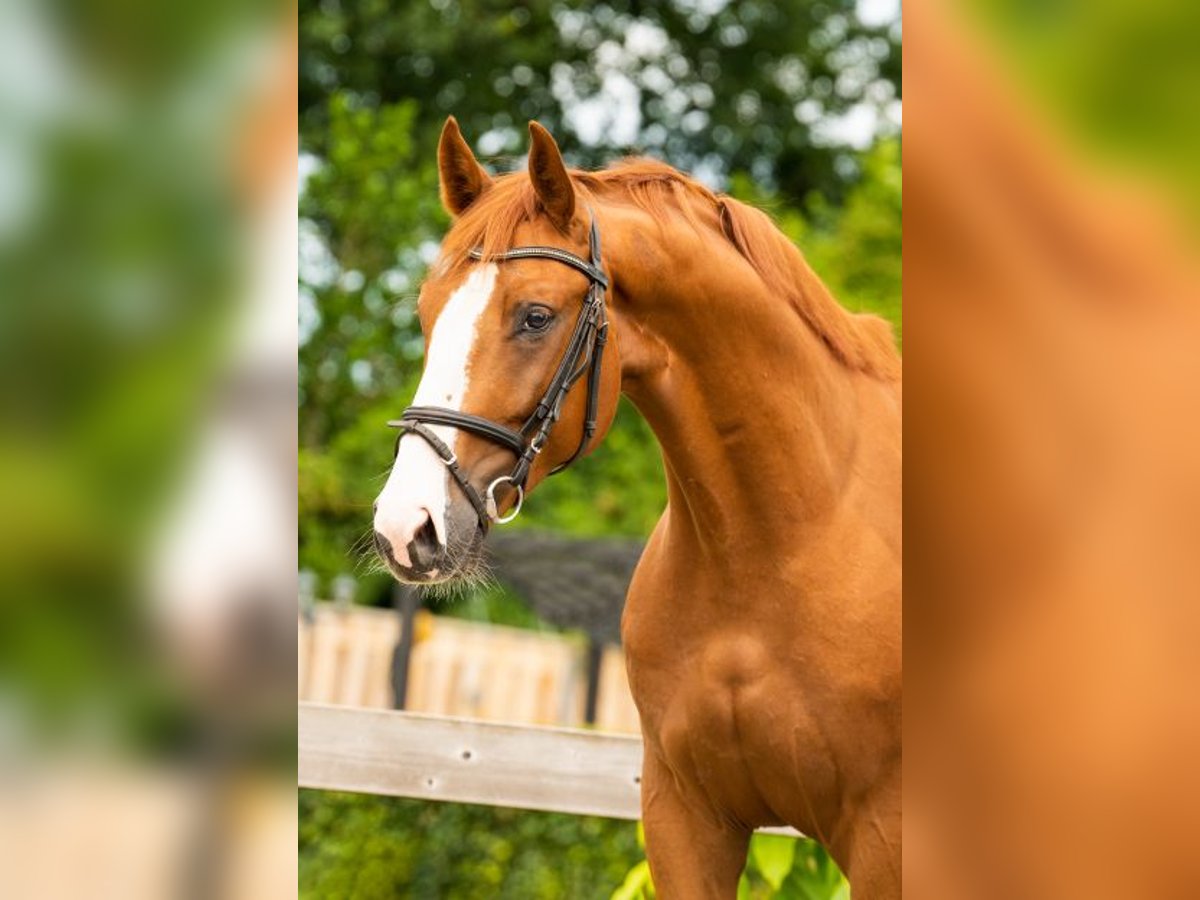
point(873, 849)
point(692, 855)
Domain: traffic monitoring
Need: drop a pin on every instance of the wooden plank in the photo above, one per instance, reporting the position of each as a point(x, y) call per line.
point(615, 708)
point(458, 667)
point(324, 671)
point(304, 640)
point(468, 761)
point(429, 757)
point(377, 691)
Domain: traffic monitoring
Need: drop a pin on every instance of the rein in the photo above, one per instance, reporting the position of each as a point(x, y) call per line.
point(584, 353)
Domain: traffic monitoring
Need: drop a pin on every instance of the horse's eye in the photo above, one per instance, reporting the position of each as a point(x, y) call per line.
point(537, 318)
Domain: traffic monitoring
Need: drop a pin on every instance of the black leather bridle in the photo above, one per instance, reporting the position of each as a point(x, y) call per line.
point(584, 354)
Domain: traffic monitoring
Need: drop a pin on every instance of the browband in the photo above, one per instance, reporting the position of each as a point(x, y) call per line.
point(537, 252)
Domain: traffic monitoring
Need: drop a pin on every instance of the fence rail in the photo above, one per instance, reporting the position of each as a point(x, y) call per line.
point(428, 757)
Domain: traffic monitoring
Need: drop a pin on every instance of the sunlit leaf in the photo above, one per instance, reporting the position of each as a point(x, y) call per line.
point(637, 884)
point(773, 855)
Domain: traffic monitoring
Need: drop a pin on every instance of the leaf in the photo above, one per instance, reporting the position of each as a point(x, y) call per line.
point(637, 884)
point(815, 876)
point(773, 855)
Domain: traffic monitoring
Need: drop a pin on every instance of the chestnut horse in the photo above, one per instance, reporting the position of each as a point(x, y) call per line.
point(763, 626)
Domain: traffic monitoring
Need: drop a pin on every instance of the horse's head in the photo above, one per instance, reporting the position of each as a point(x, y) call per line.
point(497, 333)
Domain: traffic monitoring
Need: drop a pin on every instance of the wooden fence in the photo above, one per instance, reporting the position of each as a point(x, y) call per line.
point(458, 668)
point(478, 698)
point(401, 754)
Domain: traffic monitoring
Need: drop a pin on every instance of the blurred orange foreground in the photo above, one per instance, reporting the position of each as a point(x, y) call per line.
point(1052, 505)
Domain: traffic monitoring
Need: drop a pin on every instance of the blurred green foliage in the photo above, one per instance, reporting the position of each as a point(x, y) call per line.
point(121, 258)
point(1123, 77)
point(748, 85)
point(373, 848)
point(757, 98)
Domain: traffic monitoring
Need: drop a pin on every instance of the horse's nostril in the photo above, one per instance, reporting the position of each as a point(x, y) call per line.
point(384, 546)
point(428, 532)
point(423, 549)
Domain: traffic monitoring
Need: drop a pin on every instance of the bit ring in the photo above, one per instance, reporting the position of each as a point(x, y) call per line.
point(490, 500)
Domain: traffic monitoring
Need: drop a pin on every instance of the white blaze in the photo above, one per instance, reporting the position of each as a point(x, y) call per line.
point(419, 483)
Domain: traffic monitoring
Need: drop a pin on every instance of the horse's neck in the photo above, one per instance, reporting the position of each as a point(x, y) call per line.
point(756, 420)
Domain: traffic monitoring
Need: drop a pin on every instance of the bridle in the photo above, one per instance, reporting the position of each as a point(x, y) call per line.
point(584, 353)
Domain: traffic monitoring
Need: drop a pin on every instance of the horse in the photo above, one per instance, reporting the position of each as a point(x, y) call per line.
point(762, 629)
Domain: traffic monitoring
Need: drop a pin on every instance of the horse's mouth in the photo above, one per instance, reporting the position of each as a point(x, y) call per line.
point(461, 562)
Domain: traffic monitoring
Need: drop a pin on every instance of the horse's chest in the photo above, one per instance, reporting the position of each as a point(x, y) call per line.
point(721, 724)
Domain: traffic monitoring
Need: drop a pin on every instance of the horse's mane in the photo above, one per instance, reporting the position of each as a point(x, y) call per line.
point(863, 343)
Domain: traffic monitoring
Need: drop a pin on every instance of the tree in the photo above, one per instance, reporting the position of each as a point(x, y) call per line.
point(745, 85)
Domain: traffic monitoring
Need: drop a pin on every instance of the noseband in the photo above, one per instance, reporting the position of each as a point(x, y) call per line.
point(584, 353)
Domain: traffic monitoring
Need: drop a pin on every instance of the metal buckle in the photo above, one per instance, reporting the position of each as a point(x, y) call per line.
point(490, 500)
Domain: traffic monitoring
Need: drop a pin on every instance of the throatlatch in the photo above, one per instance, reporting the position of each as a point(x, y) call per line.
point(584, 354)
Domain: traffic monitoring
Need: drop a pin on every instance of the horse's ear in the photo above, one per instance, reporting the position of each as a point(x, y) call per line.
point(549, 176)
point(461, 177)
